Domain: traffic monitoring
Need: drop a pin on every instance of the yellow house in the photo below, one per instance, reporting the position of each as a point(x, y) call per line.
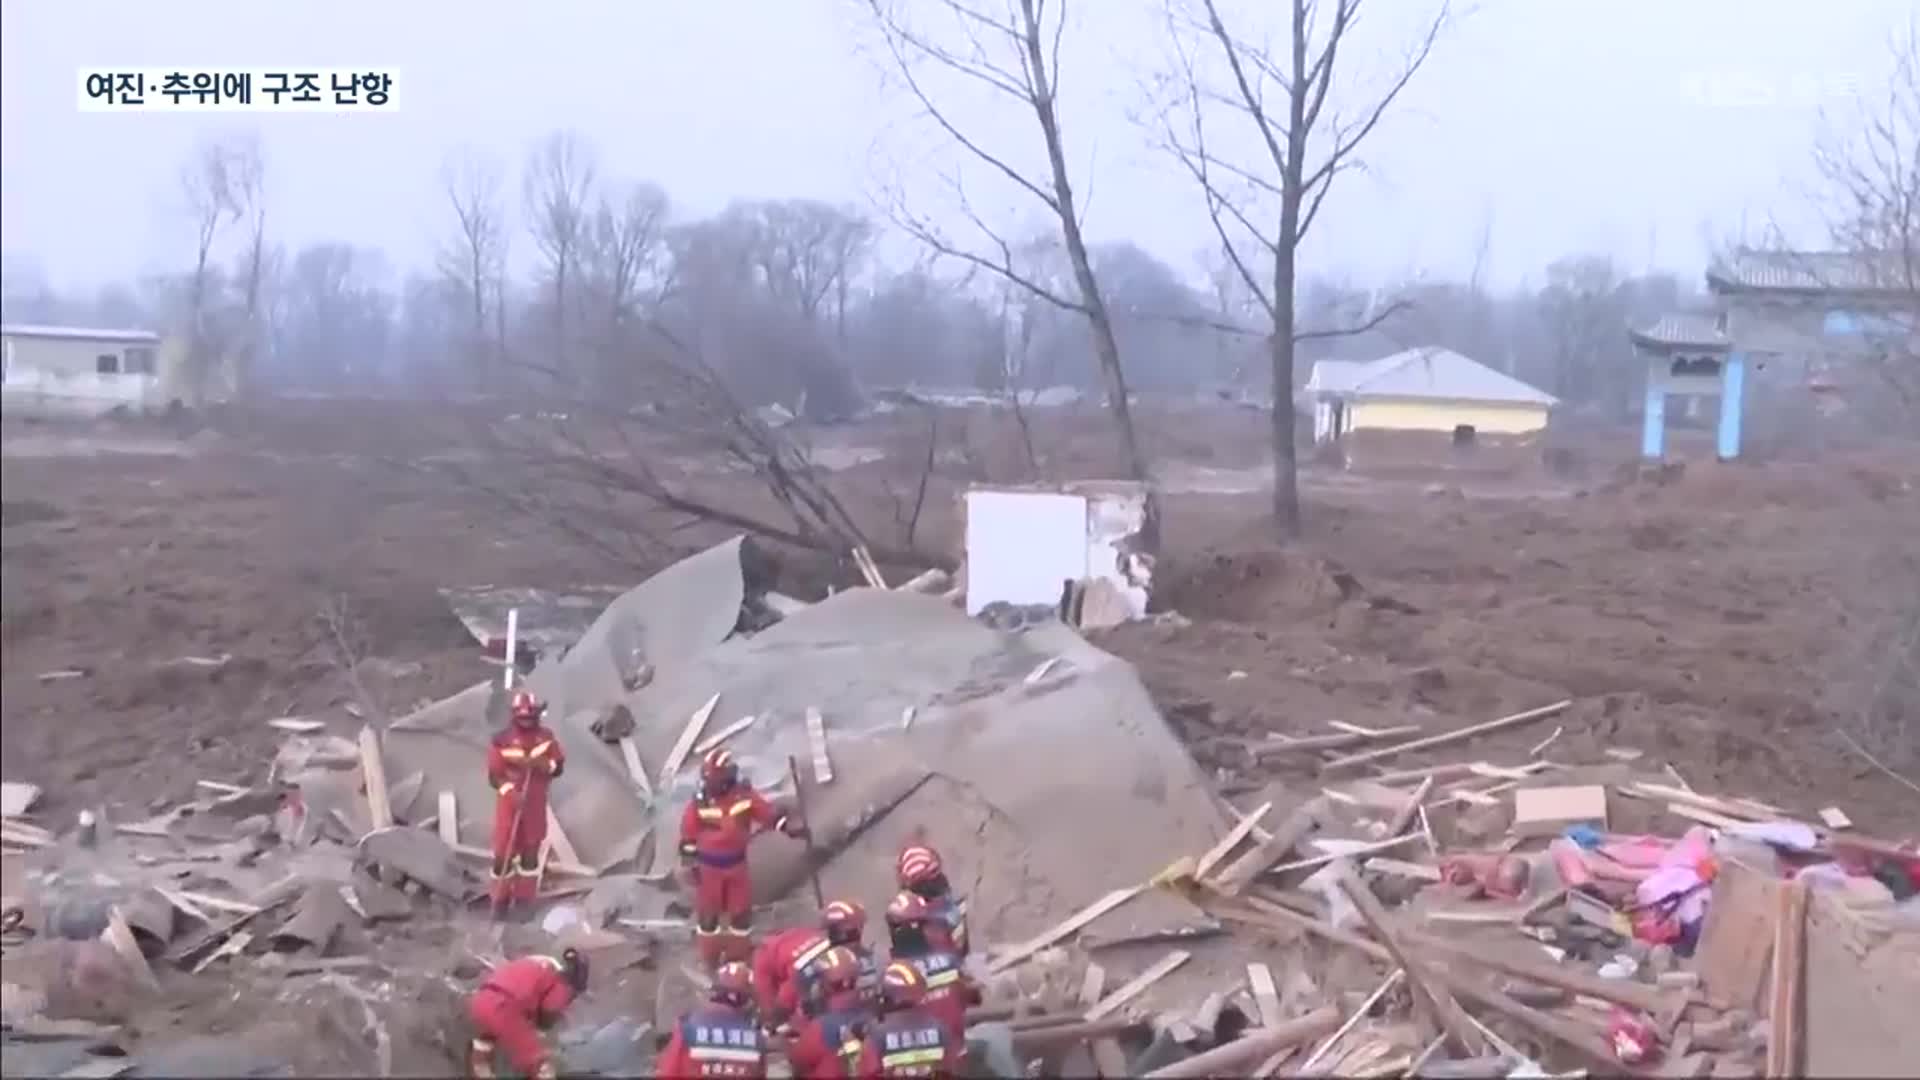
point(1423, 389)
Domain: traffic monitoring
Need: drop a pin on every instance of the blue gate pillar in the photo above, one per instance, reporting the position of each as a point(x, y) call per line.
point(1733, 380)
point(1653, 423)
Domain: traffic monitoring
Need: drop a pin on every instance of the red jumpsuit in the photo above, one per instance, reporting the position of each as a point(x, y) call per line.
point(773, 966)
point(521, 762)
point(827, 1047)
point(911, 1042)
point(518, 999)
point(949, 989)
point(714, 833)
point(714, 1040)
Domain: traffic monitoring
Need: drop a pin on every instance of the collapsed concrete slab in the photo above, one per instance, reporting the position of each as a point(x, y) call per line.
point(1046, 789)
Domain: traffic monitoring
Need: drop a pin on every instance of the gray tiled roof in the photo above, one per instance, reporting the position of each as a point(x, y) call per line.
point(1428, 372)
point(1808, 271)
point(1699, 330)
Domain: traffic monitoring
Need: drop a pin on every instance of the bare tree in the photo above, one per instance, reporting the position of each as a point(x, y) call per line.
point(558, 190)
point(212, 182)
point(1870, 166)
point(808, 253)
point(1012, 48)
point(1264, 204)
point(622, 269)
point(250, 199)
point(474, 257)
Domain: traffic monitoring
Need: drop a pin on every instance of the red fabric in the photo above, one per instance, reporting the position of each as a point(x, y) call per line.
point(791, 996)
point(723, 895)
point(949, 989)
point(720, 835)
point(521, 764)
point(818, 1050)
point(516, 1000)
point(911, 1027)
point(773, 965)
point(674, 1062)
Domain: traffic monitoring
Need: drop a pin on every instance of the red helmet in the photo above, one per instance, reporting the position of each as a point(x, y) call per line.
point(902, 986)
point(526, 709)
point(839, 971)
point(732, 985)
point(918, 864)
point(844, 921)
point(908, 909)
point(717, 769)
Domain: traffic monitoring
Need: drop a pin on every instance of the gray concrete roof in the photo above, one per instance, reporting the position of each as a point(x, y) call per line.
point(1691, 330)
point(1748, 270)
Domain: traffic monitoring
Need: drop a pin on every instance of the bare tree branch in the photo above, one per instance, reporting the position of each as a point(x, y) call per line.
point(1017, 56)
point(1304, 144)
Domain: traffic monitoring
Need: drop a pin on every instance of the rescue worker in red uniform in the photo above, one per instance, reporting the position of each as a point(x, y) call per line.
point(773, 968)
point(522, 760)
point(827, 1044)
point(920, 870)
point(843, 924)
point(520, 999)
point(950, 991)
point(719, 823)
point(721, 1038)
point(908, 1039)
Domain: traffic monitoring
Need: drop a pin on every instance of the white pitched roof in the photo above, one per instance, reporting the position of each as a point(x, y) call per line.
point(1427, 372)
point(78, 333)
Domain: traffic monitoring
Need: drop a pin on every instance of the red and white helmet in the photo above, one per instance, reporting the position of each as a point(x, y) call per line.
point(732, 985)
point(839, 971)
point(844, 921)
point(918, 864)
point(908, 909)
point(526, 709)
point(718, 770)
point(902, 986)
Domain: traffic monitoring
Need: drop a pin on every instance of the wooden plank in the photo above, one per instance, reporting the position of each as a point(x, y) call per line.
point(684, 744)
point(185, 904)
point(1228, 842)
point(630, 753)
point(120, 937)
point(1445, 1009)
point(1784, 1002)
point(1549, 810)
point(1138, 985)
point(1835, 818)
point(1392, 980)
point(233, 946)
point(1266, 997)
point(221, 786)
point(1705, 817)
point(1108, 1058)
point(1357, 852)
point(1447, 738)
point(817, 745)
point(213, 903)
point(1407, 811)
point(1304, 819)
point(1388, 865)
point(449, 819)
point(373, 769)
point(558, 841)
point(1065, 927)
point(723, 735)
point(296, 725)
point(1339, 741)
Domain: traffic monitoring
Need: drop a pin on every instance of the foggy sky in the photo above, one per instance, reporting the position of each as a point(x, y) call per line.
point(1615, 126)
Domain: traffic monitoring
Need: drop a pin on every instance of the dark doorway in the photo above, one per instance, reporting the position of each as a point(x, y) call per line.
point(1463, 436)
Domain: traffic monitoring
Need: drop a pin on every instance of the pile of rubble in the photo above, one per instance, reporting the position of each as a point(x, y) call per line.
point(1461, 919)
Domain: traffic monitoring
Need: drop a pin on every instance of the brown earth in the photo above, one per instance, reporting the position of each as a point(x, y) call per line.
point(279, 563)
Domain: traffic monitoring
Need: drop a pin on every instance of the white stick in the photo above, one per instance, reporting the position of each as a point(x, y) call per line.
point(513, 630)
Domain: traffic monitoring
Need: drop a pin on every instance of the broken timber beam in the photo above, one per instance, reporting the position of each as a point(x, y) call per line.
point(1446, 738)
point(1304, 819)
point(1239, 1055)
point(1445, 1010)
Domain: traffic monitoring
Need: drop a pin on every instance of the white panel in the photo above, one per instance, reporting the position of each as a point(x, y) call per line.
point(1022, 545)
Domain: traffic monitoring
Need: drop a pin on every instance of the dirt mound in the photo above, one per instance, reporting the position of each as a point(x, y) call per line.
point(1250, 585)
